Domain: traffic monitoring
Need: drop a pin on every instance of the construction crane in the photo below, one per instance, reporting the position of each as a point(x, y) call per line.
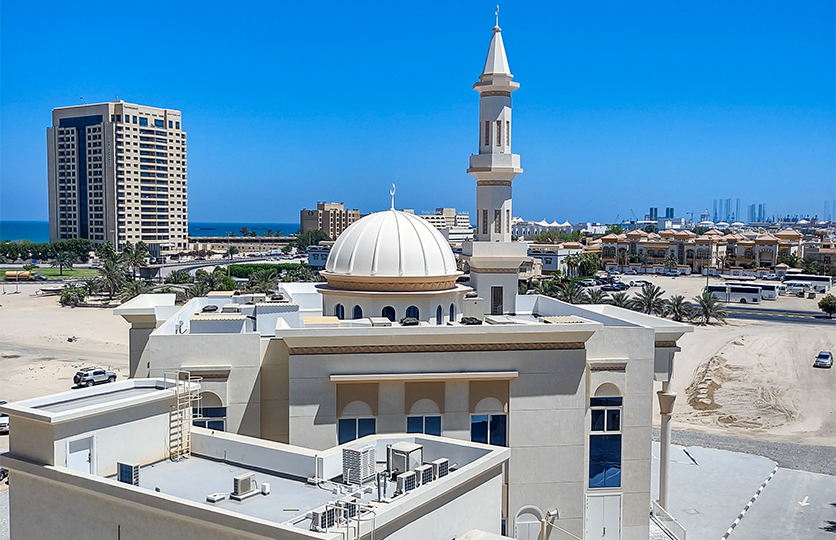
point(616, 218)
point(634, 215)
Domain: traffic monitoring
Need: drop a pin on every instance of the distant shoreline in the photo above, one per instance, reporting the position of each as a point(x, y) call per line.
point(38, 231)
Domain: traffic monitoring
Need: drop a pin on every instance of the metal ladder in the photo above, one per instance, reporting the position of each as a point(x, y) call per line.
point(181, 416)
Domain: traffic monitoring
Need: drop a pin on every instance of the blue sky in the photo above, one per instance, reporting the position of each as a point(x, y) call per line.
point(623, 105)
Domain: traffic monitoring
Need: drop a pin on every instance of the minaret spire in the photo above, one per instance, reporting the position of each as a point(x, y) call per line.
point(497, 17)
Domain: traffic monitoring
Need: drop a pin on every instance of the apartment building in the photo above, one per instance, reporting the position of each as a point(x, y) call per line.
point(117, 173)
point(332, 218)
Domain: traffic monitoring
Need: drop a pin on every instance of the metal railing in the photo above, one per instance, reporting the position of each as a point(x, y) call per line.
point(666, 522)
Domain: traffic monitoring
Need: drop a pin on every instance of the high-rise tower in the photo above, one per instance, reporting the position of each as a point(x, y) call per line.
point(493, 258)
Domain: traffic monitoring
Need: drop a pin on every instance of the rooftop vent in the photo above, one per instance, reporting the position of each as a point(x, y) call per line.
point(380, 321)
point(211, 308)
point(409, 321)
point(471, 295)
point(470, 320)
point(277, 298)
point(128, 473)
point(231, 308)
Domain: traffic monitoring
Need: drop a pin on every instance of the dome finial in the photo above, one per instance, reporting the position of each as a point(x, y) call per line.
point(497, 16)
point(392, 193)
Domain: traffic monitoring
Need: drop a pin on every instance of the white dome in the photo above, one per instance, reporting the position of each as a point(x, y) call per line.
point(391, 244)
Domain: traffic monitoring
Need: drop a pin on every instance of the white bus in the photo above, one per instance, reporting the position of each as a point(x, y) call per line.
point(769, 291)
point(796, 288)
point(821, 284)
point(736, 293)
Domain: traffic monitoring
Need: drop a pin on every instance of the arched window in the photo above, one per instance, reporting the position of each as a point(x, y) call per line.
point(339, 311)
point(439, 315)
point(211, 414)
point(424, 417)
point(605, 437)
point(412, 311)
point(389, 313)
point(358, 312)
point(452, 313)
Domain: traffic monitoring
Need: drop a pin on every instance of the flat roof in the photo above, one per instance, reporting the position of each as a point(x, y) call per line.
point(82, 399)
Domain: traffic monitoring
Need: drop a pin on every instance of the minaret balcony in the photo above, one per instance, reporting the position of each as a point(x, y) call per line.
point(495, 162)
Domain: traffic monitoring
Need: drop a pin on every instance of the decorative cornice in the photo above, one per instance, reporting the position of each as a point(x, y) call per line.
point(608, 366)
point(435, 347)
point(493, 182)
point(489, 93)
point(666, 344)
point(391, 284)
point(494, 270)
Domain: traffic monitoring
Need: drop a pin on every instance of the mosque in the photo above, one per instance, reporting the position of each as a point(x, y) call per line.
point(393, 343)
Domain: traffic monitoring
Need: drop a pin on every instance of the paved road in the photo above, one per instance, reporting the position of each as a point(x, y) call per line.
point(764, 316)
point(805, 457)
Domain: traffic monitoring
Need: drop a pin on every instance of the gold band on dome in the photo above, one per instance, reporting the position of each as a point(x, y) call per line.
point(390, 284)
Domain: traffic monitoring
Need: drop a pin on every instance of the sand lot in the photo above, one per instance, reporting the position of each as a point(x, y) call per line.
point(752, 378)
point(36, 357)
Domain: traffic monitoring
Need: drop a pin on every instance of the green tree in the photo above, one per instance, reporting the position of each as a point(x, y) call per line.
point(93, 285)
point(132, 289)
point(103, 251)
point(810, 264)
point(597, 296)
point(792, 260)
point(620, 299)
point(231, 252)
point(671, 260)
point(572, 293)
point(310, 238)
point(677, 308)
point(179, 277)
point(614, 229)
point(651, 228)
point(723, 262)
point(262, 281)
point(828, 305)
point(63, 259)
point(649, 300)
point(699, 231)
point(72, 296)
point(112, 274)
point(135, 255)
point(709, 306)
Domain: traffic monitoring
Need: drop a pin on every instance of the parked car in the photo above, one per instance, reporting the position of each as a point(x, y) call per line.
point(824, 359)
point(587, 282)
point(4, 422)
point(770, 277)
point(92, 375)
point(618, 286)
point(630, 272)
point(672, 273)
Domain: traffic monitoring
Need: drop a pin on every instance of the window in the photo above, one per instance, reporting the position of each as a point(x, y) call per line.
point(358, 312)
point(354, 428)
point(412, 311)
point(508, 221)
point(497, 221)
point(605, 442)
point(212, 418)
point(499, 132)
point(339, 311)
point(489, 429)
point(170, 124)
point(389, 313)
point(484, 222)
point(487, 133)
point(439, 315)
point(134, 119)
point(177, 125)
point(159, 123)
point(508, 133)
point(431, 425)
point(143, 121)
point(452, 312)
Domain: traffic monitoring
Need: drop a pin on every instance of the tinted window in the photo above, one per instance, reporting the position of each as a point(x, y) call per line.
point(432, 425)
point(415, 424)
point(605, 461)
point(479, 428)
point(365, 426)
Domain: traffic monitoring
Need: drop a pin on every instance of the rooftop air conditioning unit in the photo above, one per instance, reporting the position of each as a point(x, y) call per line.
point(424, 474)
point(359, 463)
point(402, 457)
point(350, 508)
point(231, 308)
point(380, 321)
point(243, 486)
point(441, 467)
point(407, 482)
point(128, 473)
point(323, 518)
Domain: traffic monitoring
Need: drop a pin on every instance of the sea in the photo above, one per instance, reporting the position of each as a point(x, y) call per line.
point(38, 231)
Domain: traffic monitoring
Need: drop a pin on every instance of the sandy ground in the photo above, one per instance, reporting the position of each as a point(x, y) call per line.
point(36, 357)
point(753, 378)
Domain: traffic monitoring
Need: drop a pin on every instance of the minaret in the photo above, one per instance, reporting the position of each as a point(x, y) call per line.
point(494, 260)
point(495, 166)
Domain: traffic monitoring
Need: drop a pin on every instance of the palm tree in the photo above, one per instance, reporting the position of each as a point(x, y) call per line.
point(709, 306)
point(671, 260)
point(133, 289)
point(810, 264)
point(597, 296)
point(112, 273)
point(571, 264)
point(135, 255)
point(620, 299)
point(790, 260)
point(678, 308)
point(93, 285)
point(649, 300)
point(200, 288)
point(262, 281)
point(572, 293)
point(723, 262)
point(63, 259)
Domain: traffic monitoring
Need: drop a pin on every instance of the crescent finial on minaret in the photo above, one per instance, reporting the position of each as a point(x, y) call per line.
point(392, 193)
point(497, 16)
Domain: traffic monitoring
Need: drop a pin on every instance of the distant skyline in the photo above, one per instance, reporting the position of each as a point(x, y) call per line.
point(622, 106)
